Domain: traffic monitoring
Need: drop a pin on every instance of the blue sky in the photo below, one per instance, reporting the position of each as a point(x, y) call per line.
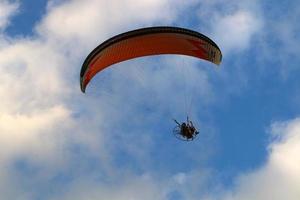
point(115, 141)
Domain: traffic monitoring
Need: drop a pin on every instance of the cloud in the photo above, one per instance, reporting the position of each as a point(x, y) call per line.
point(7, 10)
point(93, 24)
point(28, 134)
point(232, 24)
point(34, 118)
point(281, 33)
point(40, 78)
point(279, 177)
point(235, 26)
point(240, 28)
point(133, 187)
point(43, 121)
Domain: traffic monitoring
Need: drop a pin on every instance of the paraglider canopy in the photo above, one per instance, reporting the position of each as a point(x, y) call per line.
point(146, 42)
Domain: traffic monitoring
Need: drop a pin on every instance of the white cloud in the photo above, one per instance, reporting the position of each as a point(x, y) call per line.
point(97, 20)
point(7, 10)
point(30, 132)
point(40, 94)
point(279, 177)
point(133, 188)
point(240, 27)
point(32, 108)
point(232, 24)
point(235, 26)
point(282, 34)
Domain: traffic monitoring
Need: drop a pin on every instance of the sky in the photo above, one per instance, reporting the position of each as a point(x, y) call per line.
point(115, 141)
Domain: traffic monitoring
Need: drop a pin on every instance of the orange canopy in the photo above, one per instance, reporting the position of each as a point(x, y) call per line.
point(146, 42)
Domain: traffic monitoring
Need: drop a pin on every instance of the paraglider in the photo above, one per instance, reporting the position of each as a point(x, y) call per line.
point(185, 130)
point(146, 42)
